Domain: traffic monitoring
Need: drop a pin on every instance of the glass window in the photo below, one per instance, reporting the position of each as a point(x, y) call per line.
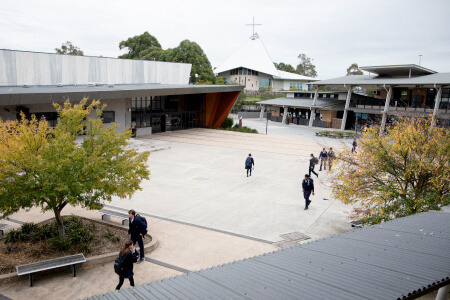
point(296, 85)
point(108, 117)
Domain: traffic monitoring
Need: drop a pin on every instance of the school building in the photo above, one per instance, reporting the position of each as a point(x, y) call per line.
point(150, 95)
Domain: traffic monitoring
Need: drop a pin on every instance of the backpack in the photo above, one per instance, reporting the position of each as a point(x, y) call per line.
point(118, 269)
point(248, 162)
point(315, 160)
point(144, 231)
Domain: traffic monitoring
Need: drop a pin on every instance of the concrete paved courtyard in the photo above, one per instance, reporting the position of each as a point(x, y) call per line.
point(201, 180)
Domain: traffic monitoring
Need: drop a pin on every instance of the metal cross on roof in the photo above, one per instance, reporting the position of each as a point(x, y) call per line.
point(254, 35)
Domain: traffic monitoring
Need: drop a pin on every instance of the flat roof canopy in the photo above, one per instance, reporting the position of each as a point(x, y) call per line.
point(442, 79)
point(398, 70)
point(19, 95)
point(305, 103)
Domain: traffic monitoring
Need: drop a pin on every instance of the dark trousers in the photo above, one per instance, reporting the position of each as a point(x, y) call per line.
point(121, 279)
point(249, 170)
point(306, 194)
point(311, 170)
point(329, 164)
point(323, 162)
point(141, 246)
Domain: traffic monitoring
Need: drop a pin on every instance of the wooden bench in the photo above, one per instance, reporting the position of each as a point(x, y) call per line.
point(107, 214)
point(3, 226)
point(71, 261)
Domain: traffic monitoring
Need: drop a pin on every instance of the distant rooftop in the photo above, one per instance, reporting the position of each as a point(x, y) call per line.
point(398, 70)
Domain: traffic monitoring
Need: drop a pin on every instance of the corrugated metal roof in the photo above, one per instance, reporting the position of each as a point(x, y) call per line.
point(438, 78)
point(303, 103)
point(19, 95)
point(394, 260)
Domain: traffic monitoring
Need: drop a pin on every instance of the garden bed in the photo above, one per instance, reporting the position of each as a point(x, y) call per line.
point(336, 134)
point(38, 242)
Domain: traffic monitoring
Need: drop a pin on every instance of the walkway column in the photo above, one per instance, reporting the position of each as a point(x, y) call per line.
point(437, 102)
point(443, 292)
point(313, 111)
point(347, 105)
point(386, 108)
point(285, 110)
point(261, 114)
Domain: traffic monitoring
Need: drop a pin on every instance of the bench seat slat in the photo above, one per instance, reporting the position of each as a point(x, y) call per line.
point(114, 213)
point(3, 225)
point(50, 264)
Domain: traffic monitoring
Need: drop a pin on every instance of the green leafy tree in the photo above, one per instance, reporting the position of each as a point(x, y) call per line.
point(285, 67)
point(69, 48)
point(354, 70)
point(191, 52)
point(305, 67)
point(50, 169)
point(137, 44)
point(402, 172)
point(153, 53)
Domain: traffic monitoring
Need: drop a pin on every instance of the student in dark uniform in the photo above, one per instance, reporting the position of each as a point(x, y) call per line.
point(308, 188)
point(128, 256)
point(312, 163)
point(354, 144)
point(137, 229)
point(323, 157)
point(331, 157)
point(249, 164)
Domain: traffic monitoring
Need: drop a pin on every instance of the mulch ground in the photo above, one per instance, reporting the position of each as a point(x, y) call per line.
point(107, 239)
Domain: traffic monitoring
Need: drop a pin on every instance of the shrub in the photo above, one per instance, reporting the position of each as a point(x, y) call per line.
point(48, 231)
point(227, 123)
point(14, 236)
point(236, 126)
point(59, 243)
point(29, 228)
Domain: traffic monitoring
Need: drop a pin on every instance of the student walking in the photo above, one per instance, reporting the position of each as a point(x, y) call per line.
point(331, 157)
point(249, 164)
point(308, 188)
point(312, 163)
point(354, 146)
point(137, 229)
point(323, 157)
point(123, 265)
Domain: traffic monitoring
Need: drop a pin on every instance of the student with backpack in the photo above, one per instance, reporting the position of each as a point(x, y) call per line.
point(249, 164)
point(308, 188)
point(312, 163)
point(137, 230)
point(123, 266)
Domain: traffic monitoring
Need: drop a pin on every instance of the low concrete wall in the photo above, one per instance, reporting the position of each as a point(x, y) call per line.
point(143, 131)
point(90, 261)
point(250, 114)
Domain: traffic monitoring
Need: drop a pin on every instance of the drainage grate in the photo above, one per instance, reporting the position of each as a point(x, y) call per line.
point(295, 236)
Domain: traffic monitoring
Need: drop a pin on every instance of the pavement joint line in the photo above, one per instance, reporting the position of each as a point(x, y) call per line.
point(197, 226)
point(160, 263)
point(14, 221)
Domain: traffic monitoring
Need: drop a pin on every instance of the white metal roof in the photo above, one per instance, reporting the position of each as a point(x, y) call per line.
point(293, 76)
point(437, 78)
point(251, 55)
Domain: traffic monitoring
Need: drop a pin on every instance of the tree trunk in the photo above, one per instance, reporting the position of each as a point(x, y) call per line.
point(59, 222)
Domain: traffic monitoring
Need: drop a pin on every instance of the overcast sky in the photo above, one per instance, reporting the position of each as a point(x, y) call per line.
point(333, 33)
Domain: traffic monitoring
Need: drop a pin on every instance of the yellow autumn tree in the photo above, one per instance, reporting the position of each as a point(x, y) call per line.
point(52, 168)
point(402, 172)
